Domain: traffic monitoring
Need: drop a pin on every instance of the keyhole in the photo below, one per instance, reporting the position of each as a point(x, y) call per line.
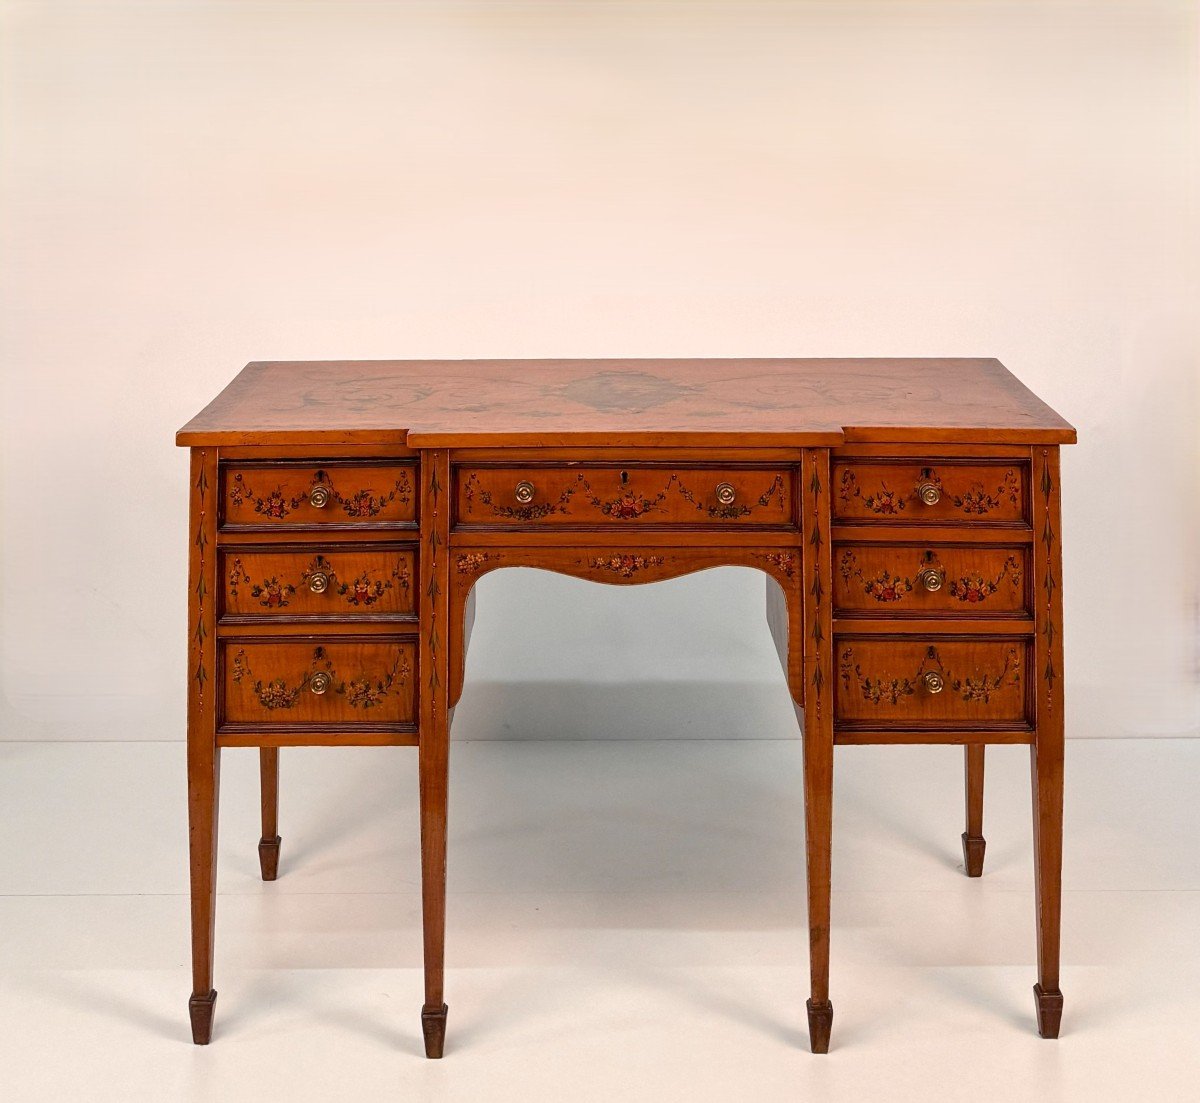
point(624, 477)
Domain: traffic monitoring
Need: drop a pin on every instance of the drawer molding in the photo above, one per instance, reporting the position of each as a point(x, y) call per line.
point(889, 689)
point(321, 677)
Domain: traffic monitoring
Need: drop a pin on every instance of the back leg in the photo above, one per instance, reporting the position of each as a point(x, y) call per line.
point(973, 843)
point(268, 845)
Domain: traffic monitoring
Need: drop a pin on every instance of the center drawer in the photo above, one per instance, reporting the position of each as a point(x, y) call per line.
point(568, 495)
point(330, 683)
point(317, 582)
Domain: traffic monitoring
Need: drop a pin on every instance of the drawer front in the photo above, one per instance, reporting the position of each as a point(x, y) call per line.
point(566, 496)
point(331, 683)
point(922, 579)
point(339, 581)
point(318, 495)
point(938, 683)
point(931, 491)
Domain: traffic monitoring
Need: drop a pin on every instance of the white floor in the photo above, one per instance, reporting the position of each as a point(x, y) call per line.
point(626, 922)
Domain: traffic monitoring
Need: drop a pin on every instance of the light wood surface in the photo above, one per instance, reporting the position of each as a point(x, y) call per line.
point(542, 403)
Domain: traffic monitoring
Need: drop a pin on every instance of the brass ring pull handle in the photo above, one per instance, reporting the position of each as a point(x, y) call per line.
point(318, 582)
point(934, 682)
point(320, 682)
point(931, 578)
point(929, 493)
point(318, 497)
point(726, 493)
point(524, 492)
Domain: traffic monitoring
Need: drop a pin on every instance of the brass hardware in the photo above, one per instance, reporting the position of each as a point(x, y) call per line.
point(318, 497)
point(320, 681)
point(929, 492)
point(931, 578)
point(524, 492)
point(624, 478)
point(934, 682)
point(726, 493)
point(318, 582)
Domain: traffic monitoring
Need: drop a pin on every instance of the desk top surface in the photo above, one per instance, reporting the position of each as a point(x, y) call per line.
point(625, 403)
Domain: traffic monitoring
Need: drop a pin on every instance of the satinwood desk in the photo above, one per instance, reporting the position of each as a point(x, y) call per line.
point(904, 512)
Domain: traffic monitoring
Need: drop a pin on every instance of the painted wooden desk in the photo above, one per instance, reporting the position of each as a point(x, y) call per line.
point(905, 514)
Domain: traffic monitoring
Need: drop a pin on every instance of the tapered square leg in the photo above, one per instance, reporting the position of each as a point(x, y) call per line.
point(201, 1008)
point(203, 753)
point(268, 845)
point(818, 744)
point(1047, 749)
point(973, 844)
point(433, 748)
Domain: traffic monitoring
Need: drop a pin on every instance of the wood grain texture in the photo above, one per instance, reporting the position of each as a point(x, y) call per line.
point(434, 745)
point(326, 682)
point(607, 403)
point(1047, 751)
point(203, 753)
point(637, 494)
point(818, 719)
point(978, 492)
point(317, 582)
point(269, 841)
point(317, 495)
point(973, 842)
point(946, 682)
point(931, 579)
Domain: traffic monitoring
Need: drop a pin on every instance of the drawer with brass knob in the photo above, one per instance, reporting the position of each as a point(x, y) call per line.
point(944, 491)
point(566, 495)
point(314, 495)
point(938, 683)
point(305, 683)
point(281, 582)
point(897, 580)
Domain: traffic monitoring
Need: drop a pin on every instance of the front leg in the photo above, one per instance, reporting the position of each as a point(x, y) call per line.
point(818, 736)
point(1048, 746)
point(434, 738)
point(203, 753)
